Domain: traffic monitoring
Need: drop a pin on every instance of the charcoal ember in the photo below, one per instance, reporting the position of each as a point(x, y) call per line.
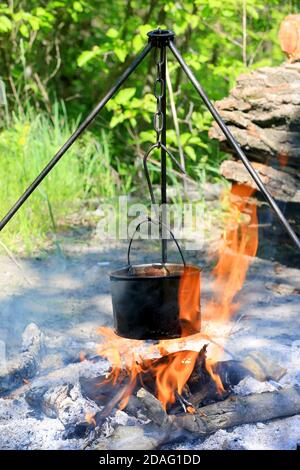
point(256, 365)
point(107, 392)
point(26, 365)
point(231, 372)
point(98, 389)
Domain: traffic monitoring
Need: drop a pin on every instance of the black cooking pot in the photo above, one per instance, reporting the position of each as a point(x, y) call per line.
point(145, 298)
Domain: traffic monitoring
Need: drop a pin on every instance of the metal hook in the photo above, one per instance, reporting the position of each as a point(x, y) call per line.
point(157, 145)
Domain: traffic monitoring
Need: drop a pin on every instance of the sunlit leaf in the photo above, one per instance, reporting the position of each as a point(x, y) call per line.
point(5, 24)
point(86, 56)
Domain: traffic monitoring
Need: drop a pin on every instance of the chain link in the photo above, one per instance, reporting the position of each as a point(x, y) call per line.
point(159, 90)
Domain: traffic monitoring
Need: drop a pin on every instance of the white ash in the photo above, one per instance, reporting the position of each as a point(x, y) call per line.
point(69, 319)
point(249, 385)
point(119, 418)
point(280, 434)
point(283, 434)
point(21, 430)
point(107, 428)
point(123, 418)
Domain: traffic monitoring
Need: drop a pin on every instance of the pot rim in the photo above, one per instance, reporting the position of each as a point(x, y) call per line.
point(122, 273)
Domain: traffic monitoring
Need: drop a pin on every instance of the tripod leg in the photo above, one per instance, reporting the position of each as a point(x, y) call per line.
point(234, 144)
point(74, 136)
point(163, 182)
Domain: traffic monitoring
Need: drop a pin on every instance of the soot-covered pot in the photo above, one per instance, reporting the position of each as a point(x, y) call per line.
point(147, 298)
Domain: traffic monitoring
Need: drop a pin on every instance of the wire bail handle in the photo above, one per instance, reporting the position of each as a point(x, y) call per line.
point(149, 220)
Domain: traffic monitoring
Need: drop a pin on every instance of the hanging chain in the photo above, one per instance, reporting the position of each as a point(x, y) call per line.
point(159, 90)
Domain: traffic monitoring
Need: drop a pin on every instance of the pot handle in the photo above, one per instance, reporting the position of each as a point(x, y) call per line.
point(149, 220)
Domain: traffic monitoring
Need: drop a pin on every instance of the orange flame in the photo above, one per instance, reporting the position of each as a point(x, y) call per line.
point(171, 374)
point(189, 305)
point(240, 242)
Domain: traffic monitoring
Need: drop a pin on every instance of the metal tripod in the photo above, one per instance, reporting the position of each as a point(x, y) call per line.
point(162, 40)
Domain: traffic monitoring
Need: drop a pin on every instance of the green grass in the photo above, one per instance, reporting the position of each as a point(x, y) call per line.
point(85, 172)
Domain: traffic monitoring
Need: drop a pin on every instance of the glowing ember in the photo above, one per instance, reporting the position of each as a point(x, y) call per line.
point(90, 419)
point(171, 374)
point(82, 356)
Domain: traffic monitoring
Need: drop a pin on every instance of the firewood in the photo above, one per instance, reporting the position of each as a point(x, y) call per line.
point(262, 112)
point(69, 374)
point(19, 370)
point(262, 368)
point(146, 437)
point(281, 185)
point(241, 410)
point(153, 407)
point(65, 402)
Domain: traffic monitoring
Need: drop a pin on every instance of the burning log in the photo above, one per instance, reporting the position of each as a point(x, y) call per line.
point(238, 410)
point(85, 400)
point(201, 386)
point(153, 408)
point(18, 371)
point(202, 389)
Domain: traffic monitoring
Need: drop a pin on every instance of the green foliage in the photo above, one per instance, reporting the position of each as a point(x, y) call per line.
point(57, 48)
point(85, 173)
point(72, 51)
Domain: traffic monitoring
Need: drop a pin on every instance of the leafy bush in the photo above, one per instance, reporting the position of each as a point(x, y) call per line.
point(72, 51)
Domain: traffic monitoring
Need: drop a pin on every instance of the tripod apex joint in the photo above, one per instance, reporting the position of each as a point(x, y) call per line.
point(160, 37)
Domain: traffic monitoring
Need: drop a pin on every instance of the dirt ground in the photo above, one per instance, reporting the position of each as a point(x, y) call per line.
point(67, 295)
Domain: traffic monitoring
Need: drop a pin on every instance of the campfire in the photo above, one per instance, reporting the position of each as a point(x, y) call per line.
point(167, 368)
point(133, 393)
